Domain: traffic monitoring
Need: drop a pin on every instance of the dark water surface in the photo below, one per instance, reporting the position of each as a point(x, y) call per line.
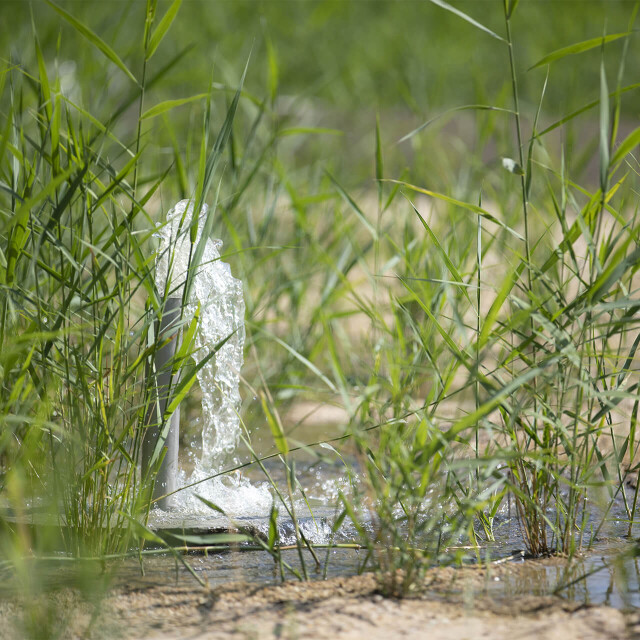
point(606, 572)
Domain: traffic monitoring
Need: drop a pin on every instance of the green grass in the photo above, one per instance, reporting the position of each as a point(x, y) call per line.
point(475, 317)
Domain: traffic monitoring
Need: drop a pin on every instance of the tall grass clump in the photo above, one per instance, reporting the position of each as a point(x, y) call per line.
point(551, 354)
point(499, 374)
point(578, 301)
point(79, 306)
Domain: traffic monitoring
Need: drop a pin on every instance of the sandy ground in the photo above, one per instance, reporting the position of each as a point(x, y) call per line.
point(453, 606)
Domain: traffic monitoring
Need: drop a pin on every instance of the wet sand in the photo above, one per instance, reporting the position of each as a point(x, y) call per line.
point(452, 604)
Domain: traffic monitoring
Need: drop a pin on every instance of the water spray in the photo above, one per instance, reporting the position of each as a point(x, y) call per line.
point(218, 299)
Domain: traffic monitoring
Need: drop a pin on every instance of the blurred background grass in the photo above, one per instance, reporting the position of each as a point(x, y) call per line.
point(349, 54)
point(333, 64)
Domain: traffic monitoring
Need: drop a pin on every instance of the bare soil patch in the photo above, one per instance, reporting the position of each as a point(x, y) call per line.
point(455, 604)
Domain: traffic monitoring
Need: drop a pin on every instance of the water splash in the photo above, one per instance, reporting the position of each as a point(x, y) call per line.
point(219, 297)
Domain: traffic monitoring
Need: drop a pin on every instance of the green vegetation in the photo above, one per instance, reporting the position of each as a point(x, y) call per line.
point(436, 223)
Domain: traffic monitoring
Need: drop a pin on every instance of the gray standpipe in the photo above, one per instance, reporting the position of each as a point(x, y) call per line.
point(166, 477)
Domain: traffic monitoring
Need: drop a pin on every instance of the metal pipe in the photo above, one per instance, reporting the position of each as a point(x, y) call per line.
point(166, 478)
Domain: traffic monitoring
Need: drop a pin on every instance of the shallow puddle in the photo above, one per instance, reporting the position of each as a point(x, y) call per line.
point(602, 576)
point(605, 573)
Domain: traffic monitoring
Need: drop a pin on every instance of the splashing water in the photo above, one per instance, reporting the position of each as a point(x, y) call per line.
point(219, 296)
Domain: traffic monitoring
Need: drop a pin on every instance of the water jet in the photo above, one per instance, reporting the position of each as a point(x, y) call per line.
point(192, 262)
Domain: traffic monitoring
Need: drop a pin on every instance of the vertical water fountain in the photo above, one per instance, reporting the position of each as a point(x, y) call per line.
point(217, 297)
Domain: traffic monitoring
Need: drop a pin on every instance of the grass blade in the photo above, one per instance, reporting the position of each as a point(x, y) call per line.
point(211, 505)
point(465, 205)
point(503, 293)
point(162, 28)
point(186, 382)
point(294, 131)
point(579, 47)
point(94, 39)
point(274, 425)
point(466, 107)
point(449, 264)
point(469, 19)
point(496, 400)
point(619, 264)
point(44, 81)
point(212, 538)
point(351, 202)
point(379, 161)
point(604, 125)
point(587, 107)
point(167, 105)
point(626, 146)
point(302, 359)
